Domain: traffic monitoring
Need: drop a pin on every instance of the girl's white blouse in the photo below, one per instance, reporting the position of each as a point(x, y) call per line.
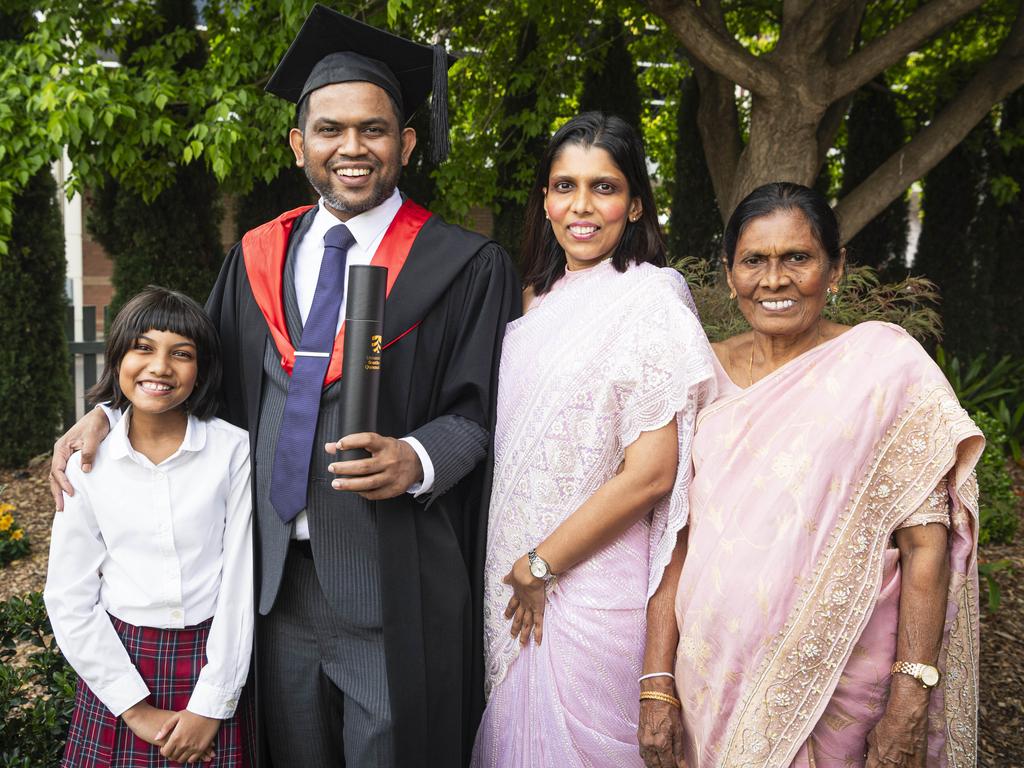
point(166, 545)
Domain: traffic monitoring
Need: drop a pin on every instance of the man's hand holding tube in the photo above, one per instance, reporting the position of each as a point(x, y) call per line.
point(391, 469)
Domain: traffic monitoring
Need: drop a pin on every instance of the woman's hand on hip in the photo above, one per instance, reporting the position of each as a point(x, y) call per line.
point(526, 607)
point(660, 733)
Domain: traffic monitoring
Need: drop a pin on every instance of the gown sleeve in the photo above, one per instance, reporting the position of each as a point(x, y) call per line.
point(484, 299)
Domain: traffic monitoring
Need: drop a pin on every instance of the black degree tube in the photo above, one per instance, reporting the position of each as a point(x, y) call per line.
point(360, 367)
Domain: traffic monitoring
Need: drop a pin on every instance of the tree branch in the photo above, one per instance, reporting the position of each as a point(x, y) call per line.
point(713, 47)
point(1003, 74)
point(883, 52)
point(840, 41)
point(793, 10)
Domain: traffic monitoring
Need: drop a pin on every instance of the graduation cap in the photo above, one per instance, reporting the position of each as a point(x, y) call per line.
point(334, 48)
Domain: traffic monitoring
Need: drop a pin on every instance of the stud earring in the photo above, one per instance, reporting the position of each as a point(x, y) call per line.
point(732, 294)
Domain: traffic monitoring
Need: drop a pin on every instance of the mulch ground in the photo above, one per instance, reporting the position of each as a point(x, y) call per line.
point(1001, 716)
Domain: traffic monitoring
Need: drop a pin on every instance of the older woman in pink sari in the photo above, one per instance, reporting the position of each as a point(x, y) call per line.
point(827, 606)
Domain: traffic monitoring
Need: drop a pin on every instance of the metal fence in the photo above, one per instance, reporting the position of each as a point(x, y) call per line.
point(85, 361)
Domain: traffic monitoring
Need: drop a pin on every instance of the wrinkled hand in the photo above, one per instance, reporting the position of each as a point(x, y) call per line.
point(189, 737)
point(900, 739)
point(526, 607)
point(392, 467)
point(660, 732)
point(85, 436)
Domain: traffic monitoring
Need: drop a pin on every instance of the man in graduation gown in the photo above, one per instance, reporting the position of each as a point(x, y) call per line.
point(368, 646)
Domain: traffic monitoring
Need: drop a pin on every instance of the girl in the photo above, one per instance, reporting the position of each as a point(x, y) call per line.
point(149, 587)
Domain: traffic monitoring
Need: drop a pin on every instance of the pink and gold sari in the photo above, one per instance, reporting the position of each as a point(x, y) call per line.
point(789, 597)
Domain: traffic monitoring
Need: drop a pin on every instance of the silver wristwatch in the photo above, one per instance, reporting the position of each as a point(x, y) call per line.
point(539, 566)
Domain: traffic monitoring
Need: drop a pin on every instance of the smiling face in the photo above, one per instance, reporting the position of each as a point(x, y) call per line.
point(588, 202)
point(158, 372)
point(352, 147)
point(781, 274)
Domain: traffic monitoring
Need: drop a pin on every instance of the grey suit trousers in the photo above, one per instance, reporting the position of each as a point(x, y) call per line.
point(323, 683)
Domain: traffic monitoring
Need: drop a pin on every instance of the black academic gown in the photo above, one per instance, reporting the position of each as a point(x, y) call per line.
point(462, 290)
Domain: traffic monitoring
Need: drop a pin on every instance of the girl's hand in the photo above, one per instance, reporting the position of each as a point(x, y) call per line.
point(526, 608)
point(189, 737)
point(146, 722)
point(660, 732)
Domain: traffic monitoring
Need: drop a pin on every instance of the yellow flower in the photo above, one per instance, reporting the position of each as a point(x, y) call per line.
point(6, 521)
point(5, 508)
point(17, 535)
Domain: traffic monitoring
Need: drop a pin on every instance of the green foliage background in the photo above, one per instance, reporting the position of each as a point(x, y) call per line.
point(36, 691)
point(33, 353)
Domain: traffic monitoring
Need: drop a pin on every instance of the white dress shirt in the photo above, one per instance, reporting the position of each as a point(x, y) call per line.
point(166, 545)
point(368, 229)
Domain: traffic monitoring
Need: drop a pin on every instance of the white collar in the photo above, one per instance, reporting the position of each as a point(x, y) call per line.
point(121, 447)
point(366, 228)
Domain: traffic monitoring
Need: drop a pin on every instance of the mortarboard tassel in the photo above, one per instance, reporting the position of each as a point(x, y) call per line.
point(439, 141)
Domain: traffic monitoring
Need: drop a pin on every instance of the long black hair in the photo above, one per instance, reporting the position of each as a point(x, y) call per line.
point(543, 258)
point(161, 309)
point(785, 196)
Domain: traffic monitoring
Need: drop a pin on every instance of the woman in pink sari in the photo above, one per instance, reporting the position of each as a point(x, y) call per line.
point(827, 607)
point(600, 381)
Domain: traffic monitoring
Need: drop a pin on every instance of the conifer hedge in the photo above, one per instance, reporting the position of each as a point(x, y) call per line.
point(34, 384)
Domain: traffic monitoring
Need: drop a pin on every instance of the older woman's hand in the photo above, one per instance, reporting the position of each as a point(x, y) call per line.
point(526, 606)
point(901, 737)
point(660, 732)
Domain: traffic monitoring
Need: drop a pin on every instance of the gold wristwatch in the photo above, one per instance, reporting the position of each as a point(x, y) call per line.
point(926, 674)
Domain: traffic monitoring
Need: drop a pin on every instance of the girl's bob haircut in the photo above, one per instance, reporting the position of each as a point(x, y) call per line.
point(161, 309)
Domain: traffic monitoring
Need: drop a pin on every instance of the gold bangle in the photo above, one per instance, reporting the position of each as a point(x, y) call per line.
point(659, 696)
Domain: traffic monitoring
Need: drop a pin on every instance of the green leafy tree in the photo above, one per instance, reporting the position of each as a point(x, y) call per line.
point(797, 66)
point(33, 353)
point(174, 239)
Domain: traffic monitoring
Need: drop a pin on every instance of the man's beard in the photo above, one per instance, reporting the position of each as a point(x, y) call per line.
point(383, 186)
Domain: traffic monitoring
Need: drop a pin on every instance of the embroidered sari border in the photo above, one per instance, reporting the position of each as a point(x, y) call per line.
point(806, 659)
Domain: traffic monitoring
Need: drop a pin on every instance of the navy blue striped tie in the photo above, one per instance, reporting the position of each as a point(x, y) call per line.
point(290, 476)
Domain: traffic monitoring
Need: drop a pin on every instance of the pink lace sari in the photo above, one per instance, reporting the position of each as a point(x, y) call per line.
point(789, 597)
point(601, 358)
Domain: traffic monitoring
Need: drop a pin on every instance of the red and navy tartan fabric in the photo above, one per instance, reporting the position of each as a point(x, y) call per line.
point(169, 660)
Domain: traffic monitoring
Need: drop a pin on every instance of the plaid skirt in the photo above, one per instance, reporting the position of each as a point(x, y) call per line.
point(169, 661)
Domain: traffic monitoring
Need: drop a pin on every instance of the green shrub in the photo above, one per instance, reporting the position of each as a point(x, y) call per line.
point(37, 692)
point(997, 501)
point(980, 384)
point(997, 388)
point(908, 303)
point(34, 385)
